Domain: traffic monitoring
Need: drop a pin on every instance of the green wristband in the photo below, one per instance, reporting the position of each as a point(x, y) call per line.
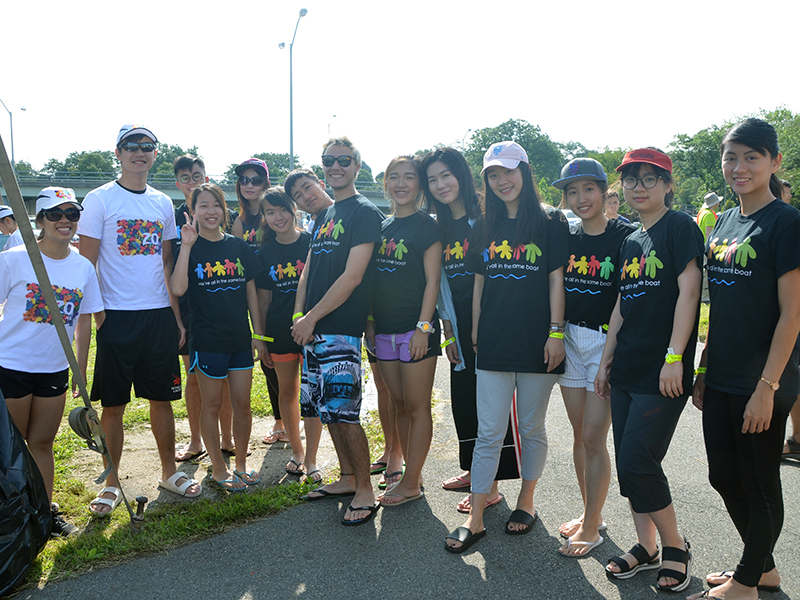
point(296, 316)
point(263, 338)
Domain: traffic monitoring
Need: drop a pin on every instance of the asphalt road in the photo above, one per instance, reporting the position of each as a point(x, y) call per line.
point(306, 553)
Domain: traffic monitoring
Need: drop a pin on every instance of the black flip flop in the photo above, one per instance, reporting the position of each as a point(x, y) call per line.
point(761, 588)
point(372, 510)
point(231, 452)
point(465, 536)
point(523, 518)
point(326, 494)
point(379, 470)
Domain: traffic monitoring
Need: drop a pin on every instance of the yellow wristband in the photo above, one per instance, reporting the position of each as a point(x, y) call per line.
point(296, 316)
point(263, 338)
point(371, 318)
point(447, 342)
point(673, 358)
point(699, 370)
point(556, 334)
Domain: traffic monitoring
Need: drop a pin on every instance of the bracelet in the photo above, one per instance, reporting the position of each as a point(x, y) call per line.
point(556, 334)
point(371, 318)
point(673, 358)
point(296, 316)
point(556, 324)
point(447, 342)
point(699, 370)
point(263, 338)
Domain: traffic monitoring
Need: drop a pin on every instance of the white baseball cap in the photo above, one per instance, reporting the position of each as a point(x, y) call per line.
point(50, 197)
point(504, 154)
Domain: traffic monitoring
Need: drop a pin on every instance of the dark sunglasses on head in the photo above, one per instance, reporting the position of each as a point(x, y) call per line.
point(134, 146)
point(54, 214)
point(328, 160)
point(256, 181)
point(196, 177)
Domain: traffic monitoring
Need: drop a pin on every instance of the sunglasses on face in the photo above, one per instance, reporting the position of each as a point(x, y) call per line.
point(196, 177)
point(54, 214)
point(256, 181)
point(134, 146)
point(328, 160)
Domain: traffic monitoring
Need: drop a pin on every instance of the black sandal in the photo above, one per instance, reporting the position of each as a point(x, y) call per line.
point(681, 556)
point(794, 449)
point(644, 562)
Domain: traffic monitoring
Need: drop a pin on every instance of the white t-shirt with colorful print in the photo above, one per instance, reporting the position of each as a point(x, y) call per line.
point(30, 343)
point(132, 228)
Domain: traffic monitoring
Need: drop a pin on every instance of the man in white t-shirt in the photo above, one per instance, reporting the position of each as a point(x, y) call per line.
point(8, 226)
point(124, 229)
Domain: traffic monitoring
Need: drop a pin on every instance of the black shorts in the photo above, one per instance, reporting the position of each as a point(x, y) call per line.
point(184, 350)
point(18, 384)
point(138, 347)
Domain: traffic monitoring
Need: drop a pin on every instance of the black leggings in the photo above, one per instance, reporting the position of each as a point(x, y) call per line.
point(272, 389)
point(745, 469)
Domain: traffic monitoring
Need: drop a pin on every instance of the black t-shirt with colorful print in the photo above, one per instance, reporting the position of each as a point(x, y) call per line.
point(251, 230)
point(218, 276)
point(592, 272)
point(651, 261)
point(341, 227)
point(400, 272)
point(515, 304)
point(455, 246)
point(282, 266)
point(746, 257)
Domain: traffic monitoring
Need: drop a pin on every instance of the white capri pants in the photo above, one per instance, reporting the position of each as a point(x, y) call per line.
point(495, 393)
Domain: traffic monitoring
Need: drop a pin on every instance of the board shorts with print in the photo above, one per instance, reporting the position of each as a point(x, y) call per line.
point(331, 383)
point(139, 348)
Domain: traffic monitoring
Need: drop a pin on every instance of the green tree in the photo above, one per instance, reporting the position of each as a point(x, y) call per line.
point(52, 166)
point(544, 154)
point(696, 166)
point(167, 155)
point(97, 161)
point(23, 166)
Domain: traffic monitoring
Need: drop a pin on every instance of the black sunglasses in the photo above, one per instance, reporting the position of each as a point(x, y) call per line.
point(328, 160)
point(256, 181)
point(54, 214)
point(134, 146)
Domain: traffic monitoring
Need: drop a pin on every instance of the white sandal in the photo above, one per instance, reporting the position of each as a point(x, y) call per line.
point(172, 486)
point(105, 501)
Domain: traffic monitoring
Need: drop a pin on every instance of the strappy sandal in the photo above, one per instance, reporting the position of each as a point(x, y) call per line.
point(681, 556)
point(644, 562)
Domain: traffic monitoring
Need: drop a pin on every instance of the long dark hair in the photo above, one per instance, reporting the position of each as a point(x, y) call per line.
point(218, 194)
point(531, 216)
point(275, 197)
point(467, 191)
point(761, 137)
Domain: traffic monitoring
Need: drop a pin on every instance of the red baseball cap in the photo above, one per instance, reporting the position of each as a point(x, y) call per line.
point(649, 156)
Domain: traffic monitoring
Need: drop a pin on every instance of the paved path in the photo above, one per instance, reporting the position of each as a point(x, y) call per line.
point(305, 553)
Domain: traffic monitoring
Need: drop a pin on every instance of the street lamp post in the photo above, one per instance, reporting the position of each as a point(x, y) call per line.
point(303, 13)
point(11, 124)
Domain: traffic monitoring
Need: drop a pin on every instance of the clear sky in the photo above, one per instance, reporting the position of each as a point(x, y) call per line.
point(399, 76)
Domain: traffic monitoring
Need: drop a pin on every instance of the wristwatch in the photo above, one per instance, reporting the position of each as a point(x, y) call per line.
point(773, 384)
point(425, 326)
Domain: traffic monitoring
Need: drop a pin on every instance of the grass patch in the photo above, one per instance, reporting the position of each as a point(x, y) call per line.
point(111, 540)
point(703, 328)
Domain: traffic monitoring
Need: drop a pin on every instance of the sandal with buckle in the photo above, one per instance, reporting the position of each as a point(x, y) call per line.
point(681, 556)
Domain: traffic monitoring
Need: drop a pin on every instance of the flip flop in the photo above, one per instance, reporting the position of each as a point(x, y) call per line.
point(602, 527)
point(373, 470)
point(465, 536)
point(523, 518)
point(253, 476)
point(588, 545)
point(273, 437)
point(231, 481)
point(382, 485)
point(463, 506)
point(403, 499)
point(729, 573)
point(313, 477)
point(456, 483)
point(186, 456)
point(794, 451)
point(298, 471)
point(325, 494)
point(372, 510)
point(232, 451)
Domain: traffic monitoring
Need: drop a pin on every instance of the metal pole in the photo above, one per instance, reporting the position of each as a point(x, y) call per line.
point(11, 124)
point(303, 13)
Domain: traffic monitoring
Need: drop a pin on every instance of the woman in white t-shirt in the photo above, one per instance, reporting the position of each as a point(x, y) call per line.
point(34, 373)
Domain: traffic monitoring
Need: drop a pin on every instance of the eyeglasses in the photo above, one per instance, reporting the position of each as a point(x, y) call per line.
point(196, 177)
point(134, 146)
point(328, 160)
point(54, 214)
point(256, 181)
point(648, 182)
